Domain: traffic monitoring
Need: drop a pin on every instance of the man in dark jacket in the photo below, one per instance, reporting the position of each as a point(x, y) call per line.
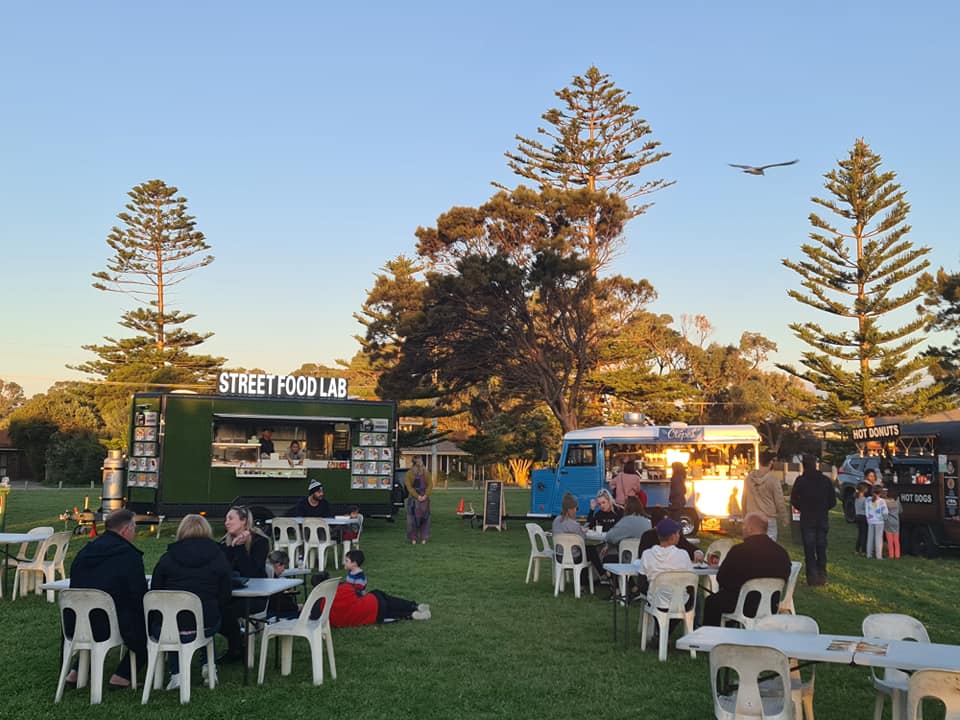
point(314, 504)
point(111, 563)
point(756, 557)
point(813, 496)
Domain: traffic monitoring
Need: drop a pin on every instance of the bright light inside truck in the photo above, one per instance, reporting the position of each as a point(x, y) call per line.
point(677, 455)
point(713, 495)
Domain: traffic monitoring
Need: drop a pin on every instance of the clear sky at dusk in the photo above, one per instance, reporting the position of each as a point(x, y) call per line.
point(313, 138)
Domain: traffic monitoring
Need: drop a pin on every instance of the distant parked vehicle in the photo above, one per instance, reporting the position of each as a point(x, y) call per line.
point(849, 476)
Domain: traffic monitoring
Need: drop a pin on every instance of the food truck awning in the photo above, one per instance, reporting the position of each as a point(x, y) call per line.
point(286, 418)
point(696, 434)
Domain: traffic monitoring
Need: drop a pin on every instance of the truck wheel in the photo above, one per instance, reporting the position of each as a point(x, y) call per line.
point(923, 543)
point(849, 508)
point(689, 522)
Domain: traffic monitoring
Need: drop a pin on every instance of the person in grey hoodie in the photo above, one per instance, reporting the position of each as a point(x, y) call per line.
point(763, 494)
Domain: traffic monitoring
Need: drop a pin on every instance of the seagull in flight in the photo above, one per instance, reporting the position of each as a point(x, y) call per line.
point(751, 170)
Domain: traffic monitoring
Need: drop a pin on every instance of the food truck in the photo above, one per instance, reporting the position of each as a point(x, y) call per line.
point(717, 458)
point(918, 464)
point(192, 453)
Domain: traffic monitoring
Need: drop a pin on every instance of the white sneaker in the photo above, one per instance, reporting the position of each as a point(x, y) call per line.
point(174, 683)
point(421, 614)
point(423, 607)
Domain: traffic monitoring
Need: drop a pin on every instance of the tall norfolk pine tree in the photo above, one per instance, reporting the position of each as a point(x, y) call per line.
point(862, 276)
point(595, 142)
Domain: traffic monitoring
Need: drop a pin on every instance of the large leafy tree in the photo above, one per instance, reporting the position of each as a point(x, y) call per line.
point(596, 141)
point(11, 397)
point(155, 248)
point(945, 299)
point(860, 275)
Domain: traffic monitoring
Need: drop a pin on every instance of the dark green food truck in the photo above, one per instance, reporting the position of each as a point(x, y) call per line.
point(191, 453)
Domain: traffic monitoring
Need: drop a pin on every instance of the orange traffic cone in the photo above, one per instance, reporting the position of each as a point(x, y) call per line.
point(93, 529)
point(460, 506)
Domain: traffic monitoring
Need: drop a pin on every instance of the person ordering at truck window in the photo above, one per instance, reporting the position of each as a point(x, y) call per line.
point(295, 455)
point(603, 511)
point(194, 563)
point(246, 549)
point(678, 490)
point(627, 483)
point(266, 442)
point(314, 504)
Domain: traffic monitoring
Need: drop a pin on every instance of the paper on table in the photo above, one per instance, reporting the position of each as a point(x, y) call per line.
point(872, 648)
point(843, 645)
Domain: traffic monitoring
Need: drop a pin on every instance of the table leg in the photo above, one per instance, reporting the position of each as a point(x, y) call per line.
point(615, 613)
point(246, 639)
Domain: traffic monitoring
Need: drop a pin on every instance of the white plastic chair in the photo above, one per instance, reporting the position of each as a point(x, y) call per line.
point(40, 568)
point(893, 682)
point(629, 550)
point(801, 690)
point(317, 539)
point(163, 607)
point(23, 554)
point(720, 548)
point(355, 542)
point(563, 546)
point(315, 632)
point(539, 550)
point(287, 536)
point(940, 684)
point(786, 602)
point(770, 591)
point(747, 701)
point(81, 604)
point(671, 595)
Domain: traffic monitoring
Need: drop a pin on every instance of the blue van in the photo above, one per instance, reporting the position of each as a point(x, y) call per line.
point(717, 458)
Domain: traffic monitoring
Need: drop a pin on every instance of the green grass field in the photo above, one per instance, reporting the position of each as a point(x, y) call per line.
point(495, 648)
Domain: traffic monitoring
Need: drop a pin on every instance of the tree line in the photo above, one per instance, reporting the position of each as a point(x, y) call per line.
point(507, 324)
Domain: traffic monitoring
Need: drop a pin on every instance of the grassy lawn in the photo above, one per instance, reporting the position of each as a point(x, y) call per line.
point(495, 647)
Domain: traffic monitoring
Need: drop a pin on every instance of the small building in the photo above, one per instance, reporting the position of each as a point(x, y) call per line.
point(13, 461)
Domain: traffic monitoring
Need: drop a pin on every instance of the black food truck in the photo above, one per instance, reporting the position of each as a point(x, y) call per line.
point(918, 464)
point(192, 453)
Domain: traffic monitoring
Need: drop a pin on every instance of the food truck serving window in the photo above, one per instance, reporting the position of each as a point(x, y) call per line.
point(236, 438)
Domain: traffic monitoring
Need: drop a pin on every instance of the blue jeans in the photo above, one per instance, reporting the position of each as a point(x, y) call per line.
point(173, 659)
point(815, 550)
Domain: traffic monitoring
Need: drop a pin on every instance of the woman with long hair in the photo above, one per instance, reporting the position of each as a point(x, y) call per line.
point(246, 550)
point(419, 485)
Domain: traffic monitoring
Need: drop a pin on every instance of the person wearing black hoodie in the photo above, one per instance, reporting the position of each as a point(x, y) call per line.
point(813, 496)
point(195, 563)
point(246, 550)
point(111, 563)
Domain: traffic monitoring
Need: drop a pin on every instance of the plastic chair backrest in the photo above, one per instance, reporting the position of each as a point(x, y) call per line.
point(629, 550)
point(943, 685)
point(539, 542)
point(325, 591)
point(46, 531)
point(893, 626)
point(563, 545)
point(720, 548)
point(670, 592)
point(786, 602)
point(82, 602)
point(169, 604)
point(285, 531)
point(770, 590)
point(315, 531)
point(749, 662)
point(788, 623)
point(61, 542)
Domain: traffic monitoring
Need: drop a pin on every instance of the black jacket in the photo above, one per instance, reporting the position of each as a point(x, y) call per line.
point(251, 564)
point(303, 508)
point(606, 519)
point(813, 496)
point(756, 557)
point(196, 565)
point(113, 565)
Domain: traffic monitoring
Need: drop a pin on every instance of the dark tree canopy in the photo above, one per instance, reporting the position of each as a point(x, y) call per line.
point(945, 299)
point(861, 275)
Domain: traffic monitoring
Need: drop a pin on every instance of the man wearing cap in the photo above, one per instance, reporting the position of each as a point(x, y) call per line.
point(663, 557)
point(314, 504)
point(756, 557)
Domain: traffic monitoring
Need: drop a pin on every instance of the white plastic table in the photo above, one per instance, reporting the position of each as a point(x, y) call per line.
point(801, 646)
point(7, 539)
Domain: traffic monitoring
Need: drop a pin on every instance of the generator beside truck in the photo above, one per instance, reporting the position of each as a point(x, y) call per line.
point(201, 453)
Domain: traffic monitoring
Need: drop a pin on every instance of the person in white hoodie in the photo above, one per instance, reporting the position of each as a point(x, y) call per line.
point(763, 494)
point(663, 557)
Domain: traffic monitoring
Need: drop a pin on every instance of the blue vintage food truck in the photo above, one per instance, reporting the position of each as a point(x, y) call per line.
point(717, 458)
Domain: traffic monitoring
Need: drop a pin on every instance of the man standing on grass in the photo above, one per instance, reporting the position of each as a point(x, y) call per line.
point(762, 493)
point(113, 564)
point(813, 496)
point(756, 557)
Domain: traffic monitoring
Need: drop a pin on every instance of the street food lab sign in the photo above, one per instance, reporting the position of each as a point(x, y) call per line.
point(300, 387)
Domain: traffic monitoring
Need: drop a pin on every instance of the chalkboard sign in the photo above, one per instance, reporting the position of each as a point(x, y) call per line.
point(493, 508)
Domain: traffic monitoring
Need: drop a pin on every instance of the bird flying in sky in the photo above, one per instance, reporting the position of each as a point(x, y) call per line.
point(751, 170)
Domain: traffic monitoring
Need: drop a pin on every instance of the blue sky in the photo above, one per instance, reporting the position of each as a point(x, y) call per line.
point(313, 138)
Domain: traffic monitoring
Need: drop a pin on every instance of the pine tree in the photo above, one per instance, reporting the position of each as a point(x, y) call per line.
point(155, 249)
point(597, 142)
point(862, 276)
point(945, 299)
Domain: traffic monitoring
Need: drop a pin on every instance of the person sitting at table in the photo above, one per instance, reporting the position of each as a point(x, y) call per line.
point(194, 563)
point(566, 522)
point(246, 549)
point(633, 524)
point(314, 504)
point(650, 539)
point(295, 455)
point(603, 511)
point(664, 556)
point(281, 605)
point(113, 564)
point(627, 483)
point(756, 557)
